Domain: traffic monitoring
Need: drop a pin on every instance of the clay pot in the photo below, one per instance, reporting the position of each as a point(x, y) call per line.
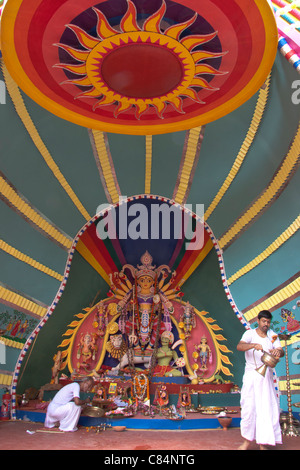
point(119, 428)
point(225, 422)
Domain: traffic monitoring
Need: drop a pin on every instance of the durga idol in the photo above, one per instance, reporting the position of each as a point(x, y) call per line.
point(142, 298)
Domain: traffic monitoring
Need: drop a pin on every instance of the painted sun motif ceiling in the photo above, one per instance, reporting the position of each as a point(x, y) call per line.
point(156, 66)
point(213, 121)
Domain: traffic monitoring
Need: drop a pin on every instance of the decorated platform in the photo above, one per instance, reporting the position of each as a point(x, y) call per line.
point(207, 419)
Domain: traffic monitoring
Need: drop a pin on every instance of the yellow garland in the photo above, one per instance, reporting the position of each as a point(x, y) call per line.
point(269, 194)
point(286, 235)
point(107, 168)
point(180, 193)
point(20, 107)
point(11, 343)
point(270, 303)
point(255, 122)
point(18, 301)
point(27, 259)
point(148, 164)
point(16, 200)
point(5, 379)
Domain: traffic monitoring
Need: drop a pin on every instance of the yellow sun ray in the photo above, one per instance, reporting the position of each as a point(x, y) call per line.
point(175, 31)
point(197, 81)
point(152, 24)
point(201, 55)
point(74, 53)
point(195, 40)
point(204, 68)
point(128, 22)
point(93, 93)
point(104, 30)
point(78, 69)
point(85, 39)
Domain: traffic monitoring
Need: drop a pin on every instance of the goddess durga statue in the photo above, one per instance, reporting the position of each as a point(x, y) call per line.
point(144, 302)
point(147, 327)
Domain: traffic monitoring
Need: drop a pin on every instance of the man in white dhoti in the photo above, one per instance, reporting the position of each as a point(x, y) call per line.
point(65, 408)
point(259, 401)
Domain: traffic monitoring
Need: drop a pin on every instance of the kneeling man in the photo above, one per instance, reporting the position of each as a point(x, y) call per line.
point(65, 408)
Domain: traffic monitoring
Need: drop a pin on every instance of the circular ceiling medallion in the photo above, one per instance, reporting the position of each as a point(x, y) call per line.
point(139, 67)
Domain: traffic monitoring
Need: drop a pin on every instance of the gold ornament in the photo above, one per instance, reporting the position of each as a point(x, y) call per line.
point(112, 309)
point(112, 328)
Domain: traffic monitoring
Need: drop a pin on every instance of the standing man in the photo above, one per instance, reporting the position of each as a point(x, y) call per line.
point(65, 408)
point(259, 403)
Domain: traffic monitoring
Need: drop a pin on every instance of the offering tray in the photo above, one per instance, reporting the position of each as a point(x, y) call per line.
point(211, 410)
point(93, 411)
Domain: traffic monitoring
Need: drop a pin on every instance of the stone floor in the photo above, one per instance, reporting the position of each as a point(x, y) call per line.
point(27, 435)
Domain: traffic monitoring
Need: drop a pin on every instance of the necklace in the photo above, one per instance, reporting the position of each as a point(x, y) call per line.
point(115, 352)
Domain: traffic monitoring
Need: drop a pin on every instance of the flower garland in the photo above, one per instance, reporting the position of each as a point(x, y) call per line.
point(140, 386)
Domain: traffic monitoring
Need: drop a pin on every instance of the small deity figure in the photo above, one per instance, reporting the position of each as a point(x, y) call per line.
point(188, 319)
point(204, 353)
point(161, 397)
point(164, 357)
point(23, 329)
point(140, 388)
point(184, 399)
point(100, 394)
point(86, 350)
point(100, 320)
point(289, 317)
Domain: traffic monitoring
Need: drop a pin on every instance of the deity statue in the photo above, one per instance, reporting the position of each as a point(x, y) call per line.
point(100, 319)
point(204, 352)
point(144, 303)
point(184, 398)
point(161, 397)
point(164, 357)
point(86, 349)
point(187, 319)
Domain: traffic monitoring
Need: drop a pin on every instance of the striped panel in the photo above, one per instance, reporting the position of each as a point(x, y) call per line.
point(5, 379)
point(28, 260)
point(194, 138)
point(105, 165)
point(294, 380)
point(90, 258)
point(254, 125)
point(268, 196)
point(285, 236)
point(20, 107)
point(11, 343)
point(19, 203)
point(274, 300)
point(14, 299)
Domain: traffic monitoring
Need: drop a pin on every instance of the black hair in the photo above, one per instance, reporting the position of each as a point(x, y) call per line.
point(265, 314)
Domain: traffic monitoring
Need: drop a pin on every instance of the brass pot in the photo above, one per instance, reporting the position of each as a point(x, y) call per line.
point(269, 360)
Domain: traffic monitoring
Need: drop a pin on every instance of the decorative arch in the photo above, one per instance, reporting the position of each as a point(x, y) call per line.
point(107, 257)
